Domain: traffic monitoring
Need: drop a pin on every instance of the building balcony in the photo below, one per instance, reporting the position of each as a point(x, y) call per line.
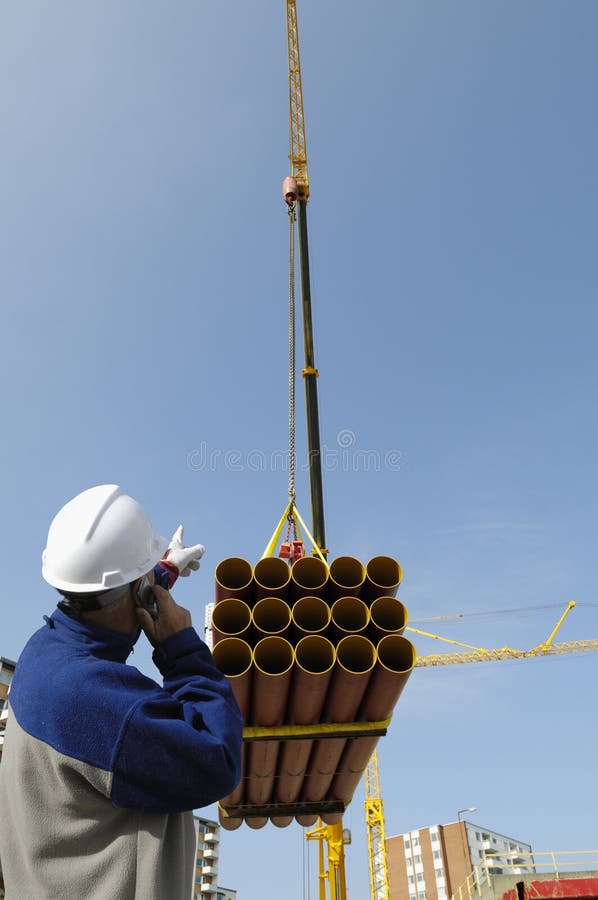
point(210, 853)
point(209, 870)
point(210, 836)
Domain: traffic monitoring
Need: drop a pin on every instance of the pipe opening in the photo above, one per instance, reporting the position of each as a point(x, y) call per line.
point(349, 614)
point(232, 656)
point(311, 614)
point(272, 573)
point(356, 654)
point(309, 573)
point(234, 573)
point(384, 572)
point(273, 655)
point(315, 654)
point(347, 572)
point(231, 616)
point(396, 653)
point(388, 614)
point(271, 615)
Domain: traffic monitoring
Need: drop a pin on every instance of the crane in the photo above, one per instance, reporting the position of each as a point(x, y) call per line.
point(480, 654)
point(374, 811)
point(296, 194)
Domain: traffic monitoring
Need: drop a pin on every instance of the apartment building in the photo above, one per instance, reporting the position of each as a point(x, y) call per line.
point(206, 863)
point(225, 894)
point(432, 862)
point(7, 669)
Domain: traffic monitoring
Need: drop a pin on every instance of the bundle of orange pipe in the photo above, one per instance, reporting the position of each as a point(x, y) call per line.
point(301, 645)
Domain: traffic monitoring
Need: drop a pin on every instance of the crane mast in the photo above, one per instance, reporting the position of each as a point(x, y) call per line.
point(374, 816)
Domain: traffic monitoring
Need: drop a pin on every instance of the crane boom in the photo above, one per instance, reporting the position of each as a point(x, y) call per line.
point(298, 157)
point(481, 655)
point(298, 154)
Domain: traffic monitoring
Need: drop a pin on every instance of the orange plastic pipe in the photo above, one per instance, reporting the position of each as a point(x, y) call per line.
point(387, 616)
point(234, 578)
point(308, 577)
point(271, 615)
point(346, 578)
point(350, 615)
point(273, 662)
point(314, 663)
point(382, 579)
point(234, 657)
point(230, 618)
point(229, 823)
point(272, 577)
point(310, 615)
point(355, 658)
point(396, 658)
point(256, 821)
point(395, 661)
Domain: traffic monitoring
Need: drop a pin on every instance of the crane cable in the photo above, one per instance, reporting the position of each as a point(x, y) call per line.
point(292, 454)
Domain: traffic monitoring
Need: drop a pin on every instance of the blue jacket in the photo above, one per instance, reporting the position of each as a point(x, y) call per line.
point(101, 765)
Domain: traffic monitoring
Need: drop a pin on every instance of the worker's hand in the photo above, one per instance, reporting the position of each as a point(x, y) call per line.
point(186, 559)
point(171, 618)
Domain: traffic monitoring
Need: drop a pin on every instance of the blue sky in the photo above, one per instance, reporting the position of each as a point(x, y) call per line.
point(453, 234)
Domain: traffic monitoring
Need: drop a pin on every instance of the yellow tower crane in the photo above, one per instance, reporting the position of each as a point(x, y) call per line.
point(374, 819)
point(374, 811)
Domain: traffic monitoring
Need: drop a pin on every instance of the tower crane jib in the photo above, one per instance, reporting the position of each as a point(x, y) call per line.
point(298, 149)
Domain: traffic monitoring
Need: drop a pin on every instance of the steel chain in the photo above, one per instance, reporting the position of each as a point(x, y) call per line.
point(292, 460)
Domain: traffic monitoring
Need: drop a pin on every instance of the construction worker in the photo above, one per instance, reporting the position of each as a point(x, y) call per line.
point(101, 765)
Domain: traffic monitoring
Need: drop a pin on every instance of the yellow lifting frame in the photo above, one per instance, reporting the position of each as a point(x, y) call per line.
point(272, 543)
point(321, 730)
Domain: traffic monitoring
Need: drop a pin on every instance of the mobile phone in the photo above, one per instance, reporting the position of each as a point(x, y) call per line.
point(147, 598)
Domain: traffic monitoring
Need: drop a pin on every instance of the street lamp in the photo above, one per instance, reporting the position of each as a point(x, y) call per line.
point(468, 809)
point(465, 854)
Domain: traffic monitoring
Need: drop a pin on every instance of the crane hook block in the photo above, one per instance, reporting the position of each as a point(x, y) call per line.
point(290, 189)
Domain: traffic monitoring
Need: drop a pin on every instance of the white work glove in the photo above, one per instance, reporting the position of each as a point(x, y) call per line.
point(186, 559)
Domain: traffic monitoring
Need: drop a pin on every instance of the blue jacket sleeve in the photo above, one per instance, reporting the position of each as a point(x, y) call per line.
point(179, 748)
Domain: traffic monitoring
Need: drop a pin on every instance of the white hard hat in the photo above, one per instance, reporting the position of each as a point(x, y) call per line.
point(101, 539)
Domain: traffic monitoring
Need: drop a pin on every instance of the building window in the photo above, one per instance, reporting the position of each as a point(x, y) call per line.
point(439, 873)
point(437, 854)
point(411, 879)
point(416, 842)
point(412, 897)
point(421, 895)
point(477, 835)
point(417, 858)
point(407, 842)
